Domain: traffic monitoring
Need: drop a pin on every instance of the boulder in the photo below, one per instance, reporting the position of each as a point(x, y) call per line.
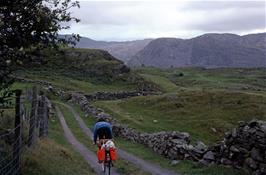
point(225, 161)
point(209, 156)
point(251, 163)
point(174, 162)
point(257, 155)
point(200, 148)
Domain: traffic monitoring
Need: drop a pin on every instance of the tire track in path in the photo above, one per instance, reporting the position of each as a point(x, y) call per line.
point(88, 155)
point(138, 162)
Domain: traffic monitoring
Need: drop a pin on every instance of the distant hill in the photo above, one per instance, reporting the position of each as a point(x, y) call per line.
point(121, 50)
point(209, 50)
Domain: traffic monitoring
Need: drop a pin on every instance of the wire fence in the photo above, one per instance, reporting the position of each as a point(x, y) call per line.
point(29, 126)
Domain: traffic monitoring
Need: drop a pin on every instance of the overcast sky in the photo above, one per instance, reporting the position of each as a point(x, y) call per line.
point(130, 20)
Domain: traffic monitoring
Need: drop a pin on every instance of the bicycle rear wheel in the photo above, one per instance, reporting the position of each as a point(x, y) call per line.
point(107, 168)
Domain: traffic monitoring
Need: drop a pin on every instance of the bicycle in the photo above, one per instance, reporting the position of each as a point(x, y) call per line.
point(107, 163)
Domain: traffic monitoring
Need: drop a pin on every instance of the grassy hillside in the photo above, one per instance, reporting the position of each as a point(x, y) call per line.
point(80, 64)
point(203, 102)
point(85, 70)
point(205, 115)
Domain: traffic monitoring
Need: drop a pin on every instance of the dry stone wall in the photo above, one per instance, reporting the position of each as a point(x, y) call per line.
point(47, 86)
point(144, 91)
point(118, 95)
point(244, 146)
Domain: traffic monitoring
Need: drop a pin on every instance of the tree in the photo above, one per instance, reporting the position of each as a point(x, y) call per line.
point(28, 25)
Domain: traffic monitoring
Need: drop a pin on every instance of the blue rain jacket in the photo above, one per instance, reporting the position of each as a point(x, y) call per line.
point(99, 125)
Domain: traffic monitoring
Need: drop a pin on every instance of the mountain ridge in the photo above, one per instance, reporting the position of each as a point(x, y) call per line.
point(208, 50)
point(123, 50)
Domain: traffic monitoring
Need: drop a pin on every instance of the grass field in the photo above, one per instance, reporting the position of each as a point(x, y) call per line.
point(198, 78)
point(198, 113)
point(205, 103)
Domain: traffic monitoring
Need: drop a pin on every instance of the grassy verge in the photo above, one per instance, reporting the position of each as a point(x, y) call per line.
point(55, 156)
point(122, 166)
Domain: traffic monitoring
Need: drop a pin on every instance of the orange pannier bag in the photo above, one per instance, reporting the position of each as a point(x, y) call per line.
point(113, 153)
point(101, 154)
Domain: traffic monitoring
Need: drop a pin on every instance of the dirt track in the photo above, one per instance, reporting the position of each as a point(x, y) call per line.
point(138, 162)
point(88, 155)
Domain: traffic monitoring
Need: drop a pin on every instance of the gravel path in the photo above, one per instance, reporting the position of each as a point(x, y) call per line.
point(88, 155)
point(138, 162)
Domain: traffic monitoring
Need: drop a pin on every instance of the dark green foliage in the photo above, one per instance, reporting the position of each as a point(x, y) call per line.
point(26, 26)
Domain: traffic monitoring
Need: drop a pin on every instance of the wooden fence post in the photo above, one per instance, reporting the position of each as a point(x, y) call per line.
point(33, 114)
point(46, 117)
point(41, 115)
point(17, 145)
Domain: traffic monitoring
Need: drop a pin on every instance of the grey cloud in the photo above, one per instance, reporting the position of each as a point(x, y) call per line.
point(243, 21)
point(139, 19)
point(112, 13)
point(218, 5)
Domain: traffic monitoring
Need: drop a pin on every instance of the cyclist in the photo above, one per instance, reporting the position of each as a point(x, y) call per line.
point(103, 130)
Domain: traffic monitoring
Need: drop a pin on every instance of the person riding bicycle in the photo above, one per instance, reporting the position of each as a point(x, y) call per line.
point(107, 151)
point(103, 130)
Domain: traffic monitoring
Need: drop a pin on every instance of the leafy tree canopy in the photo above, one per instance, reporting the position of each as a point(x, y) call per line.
point(28, 25)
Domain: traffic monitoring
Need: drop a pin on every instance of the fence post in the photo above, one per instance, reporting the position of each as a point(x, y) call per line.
point(41, 115)
point(46, 117)
point(17, 145)
point(33, 116)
